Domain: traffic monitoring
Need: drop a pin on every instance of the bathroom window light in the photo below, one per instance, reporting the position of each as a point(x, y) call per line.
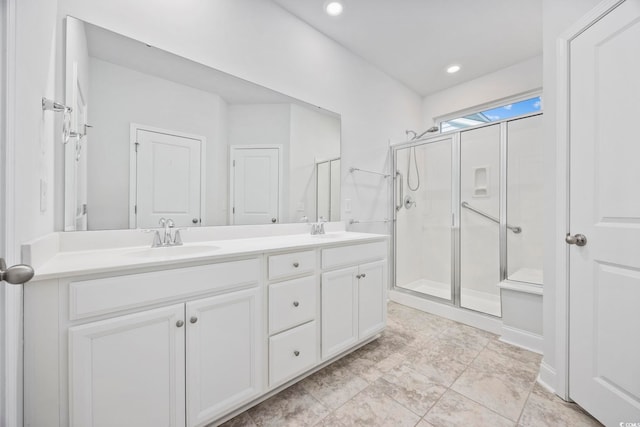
point(495, 114)
point(333, 7)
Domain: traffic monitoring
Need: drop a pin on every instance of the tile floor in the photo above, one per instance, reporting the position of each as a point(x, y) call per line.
point(423, 371)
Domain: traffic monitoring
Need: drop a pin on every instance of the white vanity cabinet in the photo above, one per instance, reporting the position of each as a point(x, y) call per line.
point(193, 342)
point(129, 370)
point(223, 352)
point(187, 350)
point(293, 313)
point(354, 297)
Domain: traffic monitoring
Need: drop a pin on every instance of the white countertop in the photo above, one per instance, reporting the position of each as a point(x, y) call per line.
point(83, 262)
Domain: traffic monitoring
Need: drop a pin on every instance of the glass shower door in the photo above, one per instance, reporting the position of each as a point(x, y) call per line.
point(424, 244)
point(479, 219)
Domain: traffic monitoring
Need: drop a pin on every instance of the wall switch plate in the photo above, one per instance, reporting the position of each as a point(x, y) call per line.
point(347, 205)
point(43, 195)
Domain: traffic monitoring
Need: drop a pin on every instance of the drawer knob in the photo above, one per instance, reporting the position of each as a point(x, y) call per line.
point(179, 323)
point(296, 264)
point(296, 303)
point(363, 275)
point(296, 353)
point(193, 319)
point(358, 276)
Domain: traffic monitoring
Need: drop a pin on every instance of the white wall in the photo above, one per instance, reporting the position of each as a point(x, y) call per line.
point(121, 96)
point(261, 42)
point(519, 78)
point(557, 17)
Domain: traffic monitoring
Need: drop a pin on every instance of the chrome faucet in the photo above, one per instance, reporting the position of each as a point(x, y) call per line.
point(318, 227)
point(167, 239)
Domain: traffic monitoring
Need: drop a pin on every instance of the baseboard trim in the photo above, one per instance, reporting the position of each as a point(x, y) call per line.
point(547, 377)
point(521, 338)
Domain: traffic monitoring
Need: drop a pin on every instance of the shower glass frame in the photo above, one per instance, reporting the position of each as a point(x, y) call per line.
point(455, 137)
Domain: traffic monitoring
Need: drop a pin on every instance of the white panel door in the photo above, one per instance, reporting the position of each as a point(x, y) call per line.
point(256, 183)
point(372, 298)
point(224, 354)
point(128, 371)
point(168, 179)
point(339, 310)
point(604, 343)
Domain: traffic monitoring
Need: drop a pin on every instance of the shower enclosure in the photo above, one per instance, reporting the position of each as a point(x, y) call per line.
point(468, 213)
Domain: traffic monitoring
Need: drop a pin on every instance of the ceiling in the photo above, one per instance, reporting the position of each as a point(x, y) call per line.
point(414, 41)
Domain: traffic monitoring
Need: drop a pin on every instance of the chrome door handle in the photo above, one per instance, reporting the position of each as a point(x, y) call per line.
point(578, 239)
point(17, 274)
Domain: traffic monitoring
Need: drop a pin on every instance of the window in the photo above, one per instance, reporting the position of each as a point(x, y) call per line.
point(514, 109)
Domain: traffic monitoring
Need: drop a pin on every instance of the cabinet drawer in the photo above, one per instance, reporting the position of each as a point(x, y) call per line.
point(292, 264)
point(291, 303)
point(292, 352)
point(353, 254)
point(99, 296)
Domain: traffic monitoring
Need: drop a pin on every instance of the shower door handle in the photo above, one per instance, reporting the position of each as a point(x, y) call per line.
point(578, 239)
point(401, 191)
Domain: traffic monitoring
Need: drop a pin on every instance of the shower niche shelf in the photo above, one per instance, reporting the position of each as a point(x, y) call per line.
point(481, 181)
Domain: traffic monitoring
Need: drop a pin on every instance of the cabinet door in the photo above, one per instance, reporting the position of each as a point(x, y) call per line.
point(224, 354)
point(339, 311)
point(128, 371)
point(372, 311)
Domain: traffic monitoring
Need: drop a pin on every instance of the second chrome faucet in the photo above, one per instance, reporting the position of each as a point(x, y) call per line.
point(170, 236)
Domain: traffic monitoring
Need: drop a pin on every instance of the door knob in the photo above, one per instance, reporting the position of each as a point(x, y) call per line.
point(16, 274)
point(274, 220)
point(578, 239)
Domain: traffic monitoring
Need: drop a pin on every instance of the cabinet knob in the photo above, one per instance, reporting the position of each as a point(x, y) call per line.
point(358, 276)
point(363, 275)
point(296, 264)
point(296, 353)
point(193, 319)
point(296, 303)
point(179, 323)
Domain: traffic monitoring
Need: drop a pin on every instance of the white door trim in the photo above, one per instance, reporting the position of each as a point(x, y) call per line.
point(563, 160)
point(11, 312)
point(232, 149)
point(133, 167)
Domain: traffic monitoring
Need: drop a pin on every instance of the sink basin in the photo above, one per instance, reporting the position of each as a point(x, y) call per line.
point(329, 235)
point(172, 251)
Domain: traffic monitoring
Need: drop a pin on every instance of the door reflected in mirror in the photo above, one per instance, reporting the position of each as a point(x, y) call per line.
point(158, 135)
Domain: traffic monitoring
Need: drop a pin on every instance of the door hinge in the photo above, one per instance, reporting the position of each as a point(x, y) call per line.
point(135, 209)
point(136, 144)
point(233, 209)
point(234, 163)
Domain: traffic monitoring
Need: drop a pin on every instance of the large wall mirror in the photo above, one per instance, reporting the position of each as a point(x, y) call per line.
point(156, 135)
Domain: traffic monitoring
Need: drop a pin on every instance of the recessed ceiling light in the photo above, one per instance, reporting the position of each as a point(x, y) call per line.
point(333, 7)
point(453, 69)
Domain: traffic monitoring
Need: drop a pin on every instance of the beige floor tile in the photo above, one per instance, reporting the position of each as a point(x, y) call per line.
point(440, 369)
point(454, 410)
point(546, 409)
point(517, 353)
point(291, 407)
point(498, 382)
point(411, 389)
point(334, 385)
point(242, 420)
point(370, 370)
point(423, 423)
point(372, 408)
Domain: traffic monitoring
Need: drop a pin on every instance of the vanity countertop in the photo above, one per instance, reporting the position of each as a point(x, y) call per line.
point(125, 259)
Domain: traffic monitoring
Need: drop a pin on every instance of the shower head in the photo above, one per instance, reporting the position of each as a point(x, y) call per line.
point(430, 130)
point(416, 136)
